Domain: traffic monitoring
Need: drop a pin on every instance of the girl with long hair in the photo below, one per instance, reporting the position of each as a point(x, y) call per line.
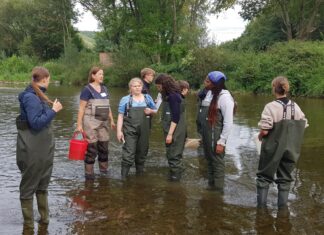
point(216, 118)
point(35, 145)
point(173, 123)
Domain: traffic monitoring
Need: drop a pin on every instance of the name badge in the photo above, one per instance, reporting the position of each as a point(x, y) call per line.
point(103, 94)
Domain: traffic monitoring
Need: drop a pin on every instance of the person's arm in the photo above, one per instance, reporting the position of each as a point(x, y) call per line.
point(152, 108)
point(37, 116)
point(112, 122)
point(301, 115)
point(82, 107)
point(226, 105)
point(120, 134)
point(174, 102)
point(169, 137)
point(266, 121)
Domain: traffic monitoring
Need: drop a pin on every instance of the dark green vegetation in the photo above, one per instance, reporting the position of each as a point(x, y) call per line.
point(282, 38)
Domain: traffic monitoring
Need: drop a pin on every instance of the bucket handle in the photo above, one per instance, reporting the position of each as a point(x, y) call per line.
point(77, 132)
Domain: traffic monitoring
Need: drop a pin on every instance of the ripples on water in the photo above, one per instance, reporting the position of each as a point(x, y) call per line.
point(150, 204)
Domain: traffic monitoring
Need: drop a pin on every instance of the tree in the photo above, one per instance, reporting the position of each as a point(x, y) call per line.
point(43, 27)
point(299, 18)
point(165, 30)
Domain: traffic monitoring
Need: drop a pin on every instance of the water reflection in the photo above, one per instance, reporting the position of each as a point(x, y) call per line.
point(152, 205)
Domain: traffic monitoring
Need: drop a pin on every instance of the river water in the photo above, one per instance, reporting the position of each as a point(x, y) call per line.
point(150, 204)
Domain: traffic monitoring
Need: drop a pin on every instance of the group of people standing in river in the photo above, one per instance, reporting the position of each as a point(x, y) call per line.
point(282, 126)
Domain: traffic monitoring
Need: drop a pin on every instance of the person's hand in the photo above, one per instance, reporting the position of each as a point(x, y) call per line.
point(120, 136)
point(147, 111)
point(57, 106)
point(262, 133)
point(112, 125)
point(168, 139)
point(220, 149)
point(79, 128)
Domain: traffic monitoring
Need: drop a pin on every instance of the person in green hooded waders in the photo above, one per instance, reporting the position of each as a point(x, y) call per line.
point(173, 123)
point(35, 146)
point(282, 128)
point(133, 127)
point(215, 116)
point(95, 118)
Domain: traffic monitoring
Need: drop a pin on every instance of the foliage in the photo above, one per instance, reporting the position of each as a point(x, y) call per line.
point(16, 68)
point(299, 19)
point(163, 30)
point(37, 27)
point(127, 64)
point(88, 38)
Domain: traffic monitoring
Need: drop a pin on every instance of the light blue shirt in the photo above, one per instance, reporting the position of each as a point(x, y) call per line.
point(124, 101)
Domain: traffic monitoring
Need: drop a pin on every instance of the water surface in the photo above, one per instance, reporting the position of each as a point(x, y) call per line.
point(150, 204)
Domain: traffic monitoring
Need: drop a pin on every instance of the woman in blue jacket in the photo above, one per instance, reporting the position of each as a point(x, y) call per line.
point(35, 145)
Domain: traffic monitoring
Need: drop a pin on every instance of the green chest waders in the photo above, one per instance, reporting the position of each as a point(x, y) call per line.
point(35, 153)
point(210, 136)
point(136, 129)
point(174, 150)
point(280, 151)
point(199, 117)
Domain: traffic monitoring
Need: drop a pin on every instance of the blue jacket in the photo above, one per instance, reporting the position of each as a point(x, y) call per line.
point(37, 113)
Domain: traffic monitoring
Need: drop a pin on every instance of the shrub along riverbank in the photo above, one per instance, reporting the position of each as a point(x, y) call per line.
point(248, 71)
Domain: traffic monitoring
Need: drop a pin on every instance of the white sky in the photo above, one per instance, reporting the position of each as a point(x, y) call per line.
point(227, 26)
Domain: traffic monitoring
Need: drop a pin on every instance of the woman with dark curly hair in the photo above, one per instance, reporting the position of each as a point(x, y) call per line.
point(173, 123)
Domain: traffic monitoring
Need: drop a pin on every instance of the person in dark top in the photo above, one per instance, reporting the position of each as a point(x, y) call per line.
point(94, 118)
point(184, 88)
point(35, 146)
point(147, 76)
point(173, 123)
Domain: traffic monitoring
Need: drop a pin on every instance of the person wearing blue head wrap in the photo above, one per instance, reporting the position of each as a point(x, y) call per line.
point(216, 119)
point(216, 76)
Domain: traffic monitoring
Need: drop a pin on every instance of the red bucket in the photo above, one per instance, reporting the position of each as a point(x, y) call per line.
point(78, 147)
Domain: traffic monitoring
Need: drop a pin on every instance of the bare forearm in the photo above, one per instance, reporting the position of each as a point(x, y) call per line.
point(172, 128)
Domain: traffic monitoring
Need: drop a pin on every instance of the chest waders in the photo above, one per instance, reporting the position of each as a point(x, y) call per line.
point(136, 130)
point(199, 117)
point(174, 150)
point(35, 153)
point(280, 151)
point(210, 136)
point(95, 126)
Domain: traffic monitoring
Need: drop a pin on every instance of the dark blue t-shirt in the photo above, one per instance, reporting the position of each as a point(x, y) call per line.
point(89, 92)
point(174, 100)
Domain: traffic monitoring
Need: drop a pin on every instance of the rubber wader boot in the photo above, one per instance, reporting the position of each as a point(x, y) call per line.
point(262, 194)
point(89, 173)
point(103, 167)
point(124, 172)
point(42, 205)
point(175, 176)
point(28, 213)
point(139, 169)
point(282, 198)
point(211, 185)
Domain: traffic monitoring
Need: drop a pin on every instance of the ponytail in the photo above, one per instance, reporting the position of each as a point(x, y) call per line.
point(38, 74)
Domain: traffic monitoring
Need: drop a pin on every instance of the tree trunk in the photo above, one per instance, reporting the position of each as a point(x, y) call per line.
point(286, 19)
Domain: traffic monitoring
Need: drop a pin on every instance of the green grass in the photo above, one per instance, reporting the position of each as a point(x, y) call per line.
point(88, 38)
